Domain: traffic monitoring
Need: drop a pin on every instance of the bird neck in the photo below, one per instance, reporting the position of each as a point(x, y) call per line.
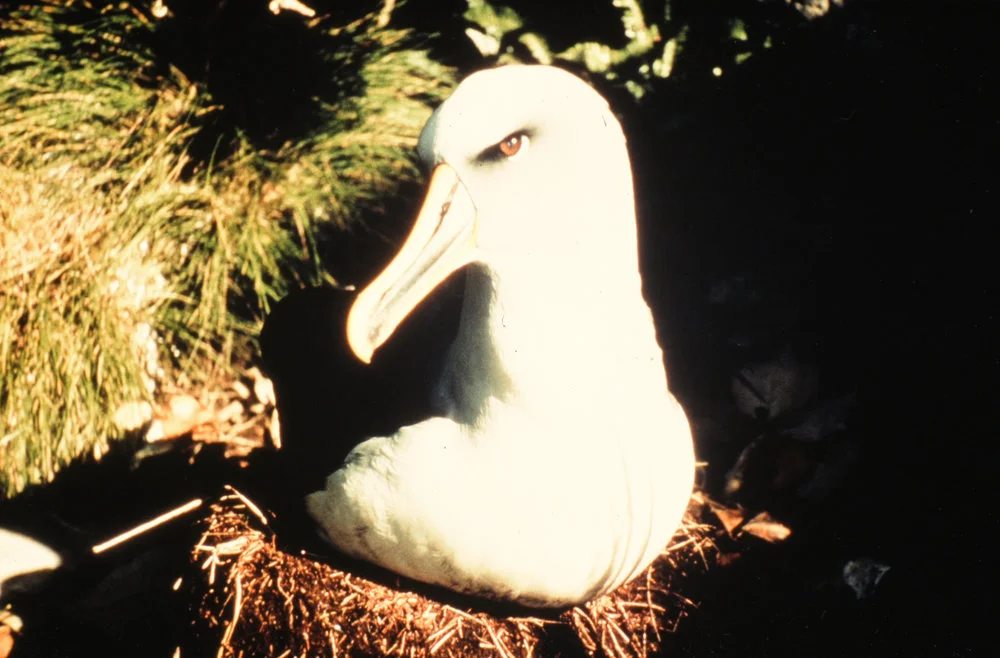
point(554, 342)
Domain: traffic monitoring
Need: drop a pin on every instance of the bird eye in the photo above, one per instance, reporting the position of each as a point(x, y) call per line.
point(507, 148)
point(511, 145)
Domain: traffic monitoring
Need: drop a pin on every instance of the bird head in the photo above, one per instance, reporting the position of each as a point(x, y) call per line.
point(528, 167)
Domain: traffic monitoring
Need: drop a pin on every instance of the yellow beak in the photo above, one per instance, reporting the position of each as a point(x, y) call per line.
point(442, 241)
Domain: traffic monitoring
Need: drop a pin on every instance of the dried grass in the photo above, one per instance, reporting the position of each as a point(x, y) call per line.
point(133, 265)
point(265, 601)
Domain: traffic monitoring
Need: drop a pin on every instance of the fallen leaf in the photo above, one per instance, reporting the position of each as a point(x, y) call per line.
point(763, 526)
point(863, 575)
point(731, 518)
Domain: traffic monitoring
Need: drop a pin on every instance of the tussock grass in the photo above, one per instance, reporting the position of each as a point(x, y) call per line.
point(129, 264)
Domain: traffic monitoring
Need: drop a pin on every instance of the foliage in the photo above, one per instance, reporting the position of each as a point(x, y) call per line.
point(653, 40)
point(496, 30)
point(132, 262)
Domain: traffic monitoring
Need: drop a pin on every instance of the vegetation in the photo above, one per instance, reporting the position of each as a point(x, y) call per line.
point(135, 261)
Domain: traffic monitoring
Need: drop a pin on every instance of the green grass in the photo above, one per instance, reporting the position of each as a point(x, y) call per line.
point(129, 265)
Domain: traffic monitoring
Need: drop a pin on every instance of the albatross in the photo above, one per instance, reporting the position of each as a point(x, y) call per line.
point(559, 464)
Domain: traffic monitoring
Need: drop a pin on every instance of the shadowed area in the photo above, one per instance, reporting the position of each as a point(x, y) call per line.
point(329, 400)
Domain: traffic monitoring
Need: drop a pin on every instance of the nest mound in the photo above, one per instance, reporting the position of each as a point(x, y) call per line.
point(265, 601)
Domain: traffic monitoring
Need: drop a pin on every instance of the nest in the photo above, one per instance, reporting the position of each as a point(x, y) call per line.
point(265, 601)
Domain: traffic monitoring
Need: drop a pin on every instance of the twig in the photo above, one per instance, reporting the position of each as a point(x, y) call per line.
point(148, 525)
point(497, 642)
point(449, 632)
point(237, 607)
point(249, 503)
point(649, 601)
point(619, 652)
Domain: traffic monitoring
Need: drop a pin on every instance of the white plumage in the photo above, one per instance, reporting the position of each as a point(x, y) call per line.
point(560, 464)
point(20, 555)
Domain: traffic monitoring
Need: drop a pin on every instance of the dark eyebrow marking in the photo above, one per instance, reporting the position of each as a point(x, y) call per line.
point(492, 154)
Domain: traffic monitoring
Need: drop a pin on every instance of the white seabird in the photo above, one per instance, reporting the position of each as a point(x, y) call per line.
point(560, 464)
